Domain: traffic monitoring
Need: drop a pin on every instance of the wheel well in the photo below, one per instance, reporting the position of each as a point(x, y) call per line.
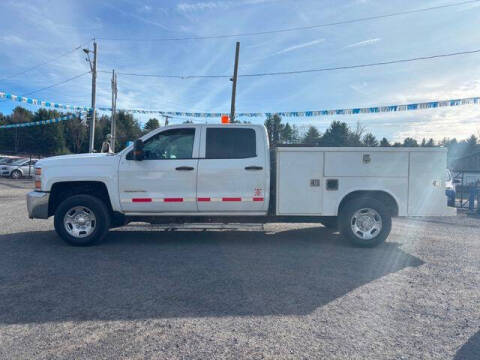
point(381, 196)
point(62, 190)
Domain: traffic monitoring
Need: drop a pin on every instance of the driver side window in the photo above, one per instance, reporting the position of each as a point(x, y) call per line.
point(170, 144)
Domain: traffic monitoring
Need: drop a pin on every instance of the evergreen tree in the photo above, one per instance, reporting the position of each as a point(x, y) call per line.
point(384, 142)
point(370, 140)
point(150, 125)
point(471, 143)
point(430, 143)
point(128, 129)
point(286, 134)
point(274, 128)
point(312, 136)
point(75, 135)
point(410, 142)
point(338, 134)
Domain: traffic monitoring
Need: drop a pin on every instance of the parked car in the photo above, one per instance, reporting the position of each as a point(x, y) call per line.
point(7, 160)
point(18, 168)
point(227, 174)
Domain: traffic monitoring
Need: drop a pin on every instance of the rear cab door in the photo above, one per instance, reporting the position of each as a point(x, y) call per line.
point(233, 170)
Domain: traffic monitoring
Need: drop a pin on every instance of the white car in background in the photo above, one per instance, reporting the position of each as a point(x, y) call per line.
point(18, 168)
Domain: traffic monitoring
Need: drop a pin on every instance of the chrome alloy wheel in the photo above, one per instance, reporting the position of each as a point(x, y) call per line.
point(366, 223)
point(79, 221)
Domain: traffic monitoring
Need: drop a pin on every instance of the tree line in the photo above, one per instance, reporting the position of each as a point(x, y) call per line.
point(341, 134)
point(71, 136)
point(65, 137)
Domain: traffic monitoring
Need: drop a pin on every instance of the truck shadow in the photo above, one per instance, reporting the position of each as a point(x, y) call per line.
point(470, 350)
point(141, 275)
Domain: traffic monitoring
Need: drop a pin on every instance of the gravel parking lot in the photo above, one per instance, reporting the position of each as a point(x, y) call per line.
point(292, 291)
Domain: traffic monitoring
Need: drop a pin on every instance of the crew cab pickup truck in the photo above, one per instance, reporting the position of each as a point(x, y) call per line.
point(227, 174)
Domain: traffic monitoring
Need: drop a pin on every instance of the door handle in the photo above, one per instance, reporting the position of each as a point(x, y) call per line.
point(253, 168)
point(184, 168)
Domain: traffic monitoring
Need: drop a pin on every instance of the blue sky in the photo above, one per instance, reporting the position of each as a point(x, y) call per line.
point(33, 31)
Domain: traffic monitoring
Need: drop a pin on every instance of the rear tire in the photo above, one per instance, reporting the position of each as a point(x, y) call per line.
point(82, 220)
point(365, 222)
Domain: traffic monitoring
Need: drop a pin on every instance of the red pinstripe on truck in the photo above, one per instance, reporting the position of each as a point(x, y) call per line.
point(199, 199)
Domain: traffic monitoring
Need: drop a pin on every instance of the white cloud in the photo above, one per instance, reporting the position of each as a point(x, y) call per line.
point(11, 40)
point(209, 5)
point(300, 46)
point(363, 43)
point(145, 9)
point(200, 6)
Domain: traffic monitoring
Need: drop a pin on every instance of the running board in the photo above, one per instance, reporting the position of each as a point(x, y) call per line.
point(192, 227)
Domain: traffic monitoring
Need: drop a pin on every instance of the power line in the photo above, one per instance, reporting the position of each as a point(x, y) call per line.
point(167, 76)
point(390, 62)
point(312, 27)
point(364, 65)
point(59, 83)
point(44, 62)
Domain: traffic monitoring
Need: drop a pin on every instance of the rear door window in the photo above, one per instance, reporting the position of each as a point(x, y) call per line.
point(230, 143)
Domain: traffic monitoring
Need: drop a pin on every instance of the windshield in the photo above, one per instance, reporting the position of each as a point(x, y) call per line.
point(19, 162)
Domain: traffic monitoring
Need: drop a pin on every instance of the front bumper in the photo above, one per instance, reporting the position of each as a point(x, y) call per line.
point(37, 204)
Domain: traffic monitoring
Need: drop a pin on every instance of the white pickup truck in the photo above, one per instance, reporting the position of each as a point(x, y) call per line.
point(227, 174)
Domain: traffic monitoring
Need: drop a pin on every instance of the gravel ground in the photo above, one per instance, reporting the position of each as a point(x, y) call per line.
point(292, 291)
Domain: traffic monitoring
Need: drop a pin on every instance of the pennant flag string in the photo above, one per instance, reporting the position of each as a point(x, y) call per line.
point(315, 113)
point(312, 113)
point(41, 103)
point(41, 122)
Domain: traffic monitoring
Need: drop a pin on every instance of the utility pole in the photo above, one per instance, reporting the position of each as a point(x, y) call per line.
point(93, 69)
point(114, 110)
point(166, 119)
point(234, 82)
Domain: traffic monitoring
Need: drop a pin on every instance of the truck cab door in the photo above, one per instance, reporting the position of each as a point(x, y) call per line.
point(165, 181)
point(233, 170)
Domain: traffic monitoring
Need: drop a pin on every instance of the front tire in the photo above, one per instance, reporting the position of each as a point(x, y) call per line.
point(365, 222)
point(82, 220)
point(16, 174)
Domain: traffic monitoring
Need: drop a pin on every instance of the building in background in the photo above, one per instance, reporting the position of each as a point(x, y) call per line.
point(468, 167)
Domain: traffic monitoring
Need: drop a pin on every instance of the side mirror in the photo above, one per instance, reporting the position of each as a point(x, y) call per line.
point(138, 150)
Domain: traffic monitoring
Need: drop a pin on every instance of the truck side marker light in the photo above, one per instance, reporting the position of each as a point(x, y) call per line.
point(141, 200)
